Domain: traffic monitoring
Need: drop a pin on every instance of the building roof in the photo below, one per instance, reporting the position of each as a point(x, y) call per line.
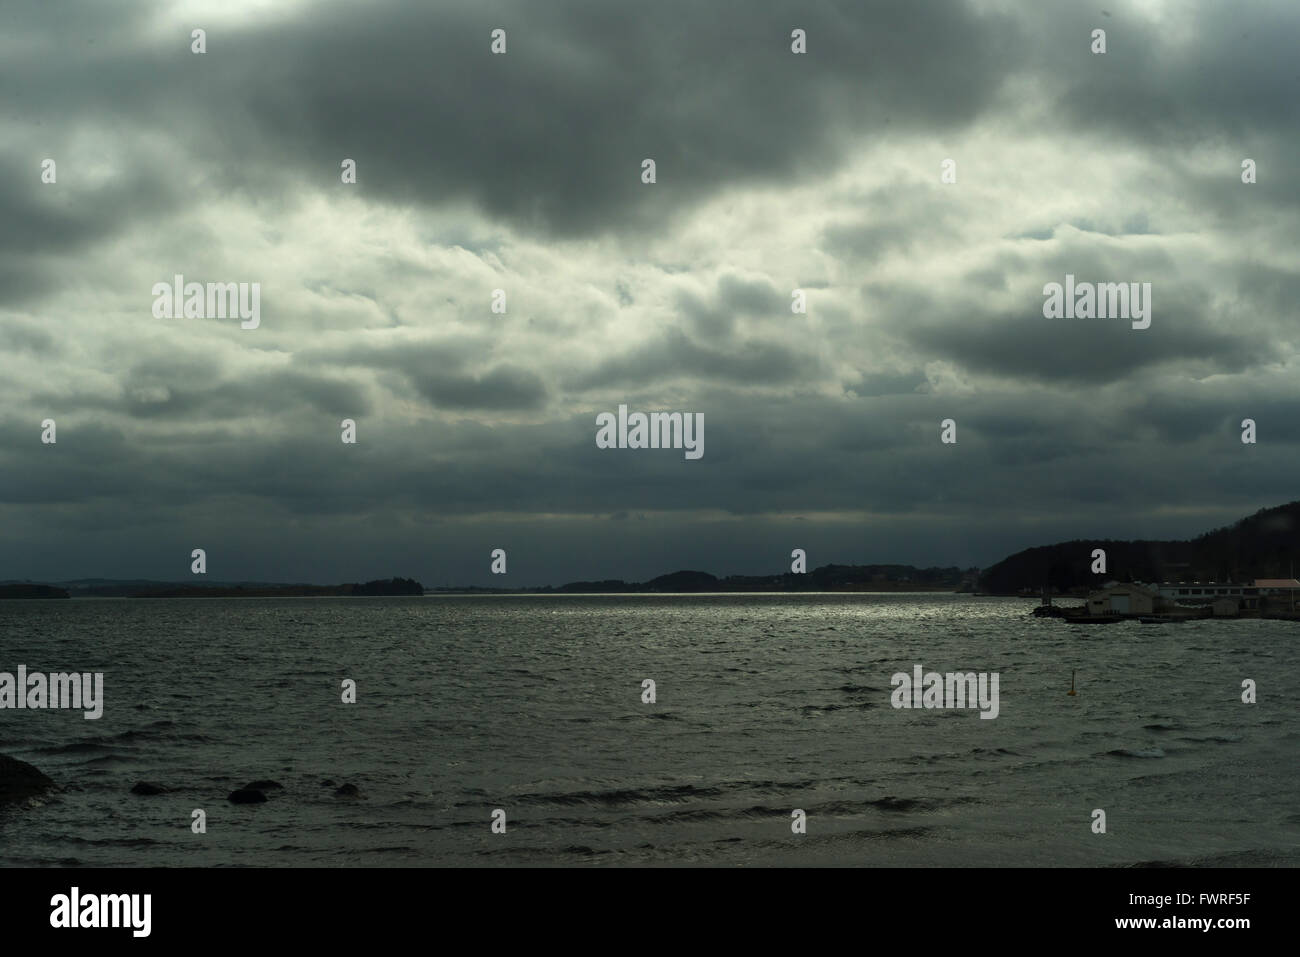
point(1124, 587)
point(1276, 583)
point(1205, 585)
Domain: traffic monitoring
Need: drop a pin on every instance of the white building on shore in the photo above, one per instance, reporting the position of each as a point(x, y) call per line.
point(1225, 598)
point(1208, 593)
point(1123, 598)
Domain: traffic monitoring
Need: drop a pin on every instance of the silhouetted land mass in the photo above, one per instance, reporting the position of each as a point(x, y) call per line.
point(31, 590)
point(1261, 546)
point(102, 588)
point(391, 586)
point(683, 581)
point(825, 578)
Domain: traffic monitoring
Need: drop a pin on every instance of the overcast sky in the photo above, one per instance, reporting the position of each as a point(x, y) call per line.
point(775, 171)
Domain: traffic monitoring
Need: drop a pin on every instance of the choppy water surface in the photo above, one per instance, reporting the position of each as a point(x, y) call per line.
point(766, 703)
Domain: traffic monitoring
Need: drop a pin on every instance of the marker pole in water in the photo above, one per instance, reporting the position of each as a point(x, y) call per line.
point(1071, 691)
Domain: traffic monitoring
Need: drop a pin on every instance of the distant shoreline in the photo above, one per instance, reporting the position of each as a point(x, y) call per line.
point(827, 578)
point(533, 593)
point(1259, 546)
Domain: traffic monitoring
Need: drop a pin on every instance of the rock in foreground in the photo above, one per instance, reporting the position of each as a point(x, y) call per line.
point(20, 781)
point(247, 796)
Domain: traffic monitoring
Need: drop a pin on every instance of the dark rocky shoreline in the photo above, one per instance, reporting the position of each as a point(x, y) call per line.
point(20, 781)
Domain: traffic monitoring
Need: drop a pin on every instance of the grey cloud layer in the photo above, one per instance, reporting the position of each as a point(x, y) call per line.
point(521, 172)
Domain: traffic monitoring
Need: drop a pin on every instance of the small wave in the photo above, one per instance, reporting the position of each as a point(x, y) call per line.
point(497, 849)
point(1257, 857)
point(891, 833)
point(110, 758)
point(43, 862)
point(621, 797)
point(667, 795)
point(1137, 753)
point(904, 805)
point(135, 734)
point(106, 742)
point(90, 746)
point(724, 814)
point(898, 804)
point(112, 841)
point(582, 850)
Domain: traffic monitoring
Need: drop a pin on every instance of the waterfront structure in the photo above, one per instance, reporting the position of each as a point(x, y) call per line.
point(1209, 593)
point(1282, 588)
point(1179, 601)
point(1124, 598)
point(1227, 607)
point(1276, 586)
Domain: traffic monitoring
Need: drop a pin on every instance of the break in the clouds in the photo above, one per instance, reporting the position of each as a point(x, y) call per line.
point(775, 172)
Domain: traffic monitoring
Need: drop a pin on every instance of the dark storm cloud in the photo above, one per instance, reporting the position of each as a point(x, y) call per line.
point(409, 356)
point(1007, 334)
point(19, 334)
point(64, 215)
point(674, 356)
point(45, 222)
point(504, 387)
point(746, 297)
point(439, 370)
point(1208, 70)
point(1268, 290)
point(175, 393)
point(23, 281)
point(78, 24)
point(104, 466)
point(866, 385)
point(549, 136)
point(820, 455)
point(734, 297)
point(1077, 351)
point(764, 457)
point(1215, 414)
point(896, 218)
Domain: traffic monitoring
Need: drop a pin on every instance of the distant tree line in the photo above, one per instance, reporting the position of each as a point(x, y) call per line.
point(1263, 545)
